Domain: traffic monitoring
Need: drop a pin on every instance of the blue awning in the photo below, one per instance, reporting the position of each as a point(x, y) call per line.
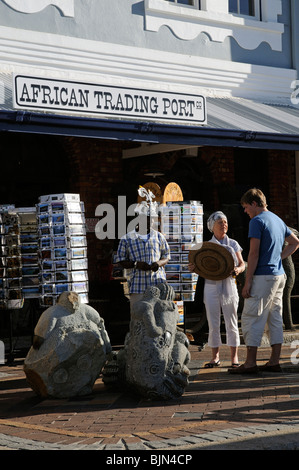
point(231, 123)
point(239, 113)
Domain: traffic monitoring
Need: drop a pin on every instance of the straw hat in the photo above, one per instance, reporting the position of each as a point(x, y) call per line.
point(212, 261)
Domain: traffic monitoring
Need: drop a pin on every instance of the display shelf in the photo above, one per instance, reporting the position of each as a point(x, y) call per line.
point(43, 251)
point(62, 248)
point(182, 225)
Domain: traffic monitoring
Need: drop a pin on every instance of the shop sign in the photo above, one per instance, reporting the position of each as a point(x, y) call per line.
point(107, 101)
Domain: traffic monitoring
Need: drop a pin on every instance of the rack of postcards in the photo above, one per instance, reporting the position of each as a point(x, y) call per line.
point(11, 296)
point(43, 251)
point(29, 252)
point(182, 225)
point(62, 247)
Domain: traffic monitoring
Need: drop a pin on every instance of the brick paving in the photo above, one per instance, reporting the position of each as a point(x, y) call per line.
point(214, 406)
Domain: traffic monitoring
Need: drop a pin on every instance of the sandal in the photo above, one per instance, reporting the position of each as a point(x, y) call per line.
point(268, 368)
point(244, 370)
point(210, 365)
point(235, 365)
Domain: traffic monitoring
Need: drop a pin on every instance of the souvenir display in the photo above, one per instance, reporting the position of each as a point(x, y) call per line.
point(29, 251)
point(11, 295)
point(182, 225)
point(43, 251)
point(181, 222)
point(62, 249)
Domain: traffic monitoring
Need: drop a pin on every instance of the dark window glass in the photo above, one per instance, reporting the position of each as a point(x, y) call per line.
point(233, 6)
point(187, 2)
point(242, 7)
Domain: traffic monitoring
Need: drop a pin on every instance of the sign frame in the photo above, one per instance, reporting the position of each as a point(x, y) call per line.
point(77, 97)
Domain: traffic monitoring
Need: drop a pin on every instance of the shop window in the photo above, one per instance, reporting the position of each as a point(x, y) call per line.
point(190, 3)
point(244, 7)
point(249, 22)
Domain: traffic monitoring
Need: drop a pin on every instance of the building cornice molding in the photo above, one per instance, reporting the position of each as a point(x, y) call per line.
point(72, 58)
point(33, 6)
point(188, 23)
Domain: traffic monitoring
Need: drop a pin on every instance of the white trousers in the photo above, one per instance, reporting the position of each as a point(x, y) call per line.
point(263, 310)
point(214, 305)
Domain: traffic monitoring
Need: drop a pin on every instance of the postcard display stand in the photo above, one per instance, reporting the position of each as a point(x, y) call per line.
point(43, 251)
point(11, 296)
point(182, 224)
point(62, 247)
point(29, 252)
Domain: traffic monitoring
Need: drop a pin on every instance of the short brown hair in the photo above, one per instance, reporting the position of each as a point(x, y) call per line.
point(256, 195)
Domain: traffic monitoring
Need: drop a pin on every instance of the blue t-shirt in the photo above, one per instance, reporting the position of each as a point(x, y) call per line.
point(271, 231)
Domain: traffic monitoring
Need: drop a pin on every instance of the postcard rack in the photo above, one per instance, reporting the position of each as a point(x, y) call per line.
point(62, 247)
point(11, 295)
point(182, 225)
point(43, 251)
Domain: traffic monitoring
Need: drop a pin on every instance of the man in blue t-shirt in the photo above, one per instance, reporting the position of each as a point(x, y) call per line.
point(265, 280)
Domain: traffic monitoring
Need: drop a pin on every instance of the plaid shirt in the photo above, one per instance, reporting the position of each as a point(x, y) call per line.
point(132, 247)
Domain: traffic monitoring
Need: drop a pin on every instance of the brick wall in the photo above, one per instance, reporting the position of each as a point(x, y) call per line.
point(95, 172)
point(283, 197)
point(282, 186)
point(221, 165)
point(281, 180)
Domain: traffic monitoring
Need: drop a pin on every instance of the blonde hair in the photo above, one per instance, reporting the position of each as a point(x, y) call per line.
point(254, 195)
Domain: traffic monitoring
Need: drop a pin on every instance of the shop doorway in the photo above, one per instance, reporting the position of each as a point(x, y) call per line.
point(31, 165)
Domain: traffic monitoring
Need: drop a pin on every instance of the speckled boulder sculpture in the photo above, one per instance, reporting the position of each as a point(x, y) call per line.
point(69, 350)
point(154, 360)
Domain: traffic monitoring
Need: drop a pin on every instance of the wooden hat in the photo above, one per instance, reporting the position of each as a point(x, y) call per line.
point(212, 261)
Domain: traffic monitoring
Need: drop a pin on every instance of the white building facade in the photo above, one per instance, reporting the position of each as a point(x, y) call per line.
point(168, 82)
point(210, 48)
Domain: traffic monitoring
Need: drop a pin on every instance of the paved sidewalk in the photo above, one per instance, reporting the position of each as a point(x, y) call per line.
point(218, 410)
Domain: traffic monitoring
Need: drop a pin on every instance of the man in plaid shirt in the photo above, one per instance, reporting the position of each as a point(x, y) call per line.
point(144, 255)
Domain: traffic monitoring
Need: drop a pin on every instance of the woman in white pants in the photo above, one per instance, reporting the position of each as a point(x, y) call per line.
point(223, 295)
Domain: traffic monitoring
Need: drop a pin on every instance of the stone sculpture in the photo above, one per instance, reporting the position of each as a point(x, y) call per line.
point(154, 360)
point(70, 348)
